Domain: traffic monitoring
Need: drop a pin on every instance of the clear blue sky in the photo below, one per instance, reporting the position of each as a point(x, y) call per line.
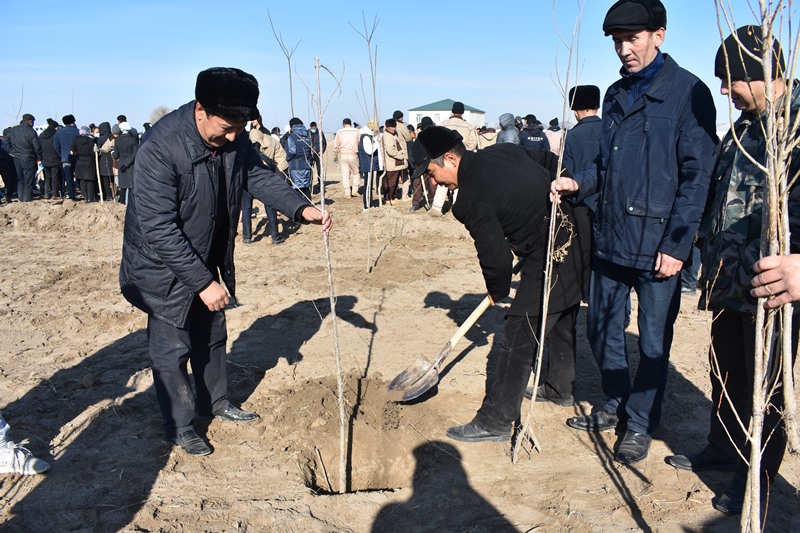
point(99, 59)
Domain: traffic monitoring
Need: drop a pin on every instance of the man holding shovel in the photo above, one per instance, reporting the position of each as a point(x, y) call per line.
point(503, 201)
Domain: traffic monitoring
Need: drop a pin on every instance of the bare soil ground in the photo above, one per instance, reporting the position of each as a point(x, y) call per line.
point(76, 382)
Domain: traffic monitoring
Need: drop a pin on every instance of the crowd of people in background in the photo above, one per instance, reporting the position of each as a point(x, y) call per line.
point(66, 162)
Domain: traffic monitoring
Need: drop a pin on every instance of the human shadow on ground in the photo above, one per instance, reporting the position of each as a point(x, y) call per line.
point(443, 499)
point(271, 338)
point(104, 426)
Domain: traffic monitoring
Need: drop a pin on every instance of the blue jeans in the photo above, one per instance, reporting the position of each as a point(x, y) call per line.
point(69, 182)
point(637, 403)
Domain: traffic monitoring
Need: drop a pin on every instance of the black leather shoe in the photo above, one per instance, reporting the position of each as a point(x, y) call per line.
point(705, 459)
point(191, 443)
point(234, 414)
point(543, 396)
point(598, 421)
point(473, 432)
point(633, 448)
point(732, 500)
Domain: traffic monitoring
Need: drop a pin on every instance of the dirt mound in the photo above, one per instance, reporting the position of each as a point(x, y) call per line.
point(63, 217)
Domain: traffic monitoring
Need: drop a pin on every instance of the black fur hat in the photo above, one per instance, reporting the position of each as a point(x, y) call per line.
point(431, 143)
point(458, 108)
point(635, 15)
point(743, 66)
point(228, 92)
point(584, 97)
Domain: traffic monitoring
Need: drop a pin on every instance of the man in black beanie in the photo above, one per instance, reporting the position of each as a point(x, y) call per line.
point(180, 228)
point(656, 159)
point(730, 233)
point(504, 222)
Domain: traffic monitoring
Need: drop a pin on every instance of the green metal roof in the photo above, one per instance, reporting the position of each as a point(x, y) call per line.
point(444, 105)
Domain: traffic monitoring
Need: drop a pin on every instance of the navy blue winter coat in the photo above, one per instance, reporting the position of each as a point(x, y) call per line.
point(655, 169)
point(62, 142)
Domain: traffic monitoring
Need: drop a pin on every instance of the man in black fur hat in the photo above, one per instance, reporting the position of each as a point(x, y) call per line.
point(180, 229)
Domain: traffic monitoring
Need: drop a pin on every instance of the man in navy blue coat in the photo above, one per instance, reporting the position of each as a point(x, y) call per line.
point(656, 159)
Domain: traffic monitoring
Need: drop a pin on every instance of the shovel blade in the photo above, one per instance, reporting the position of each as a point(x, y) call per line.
point(422, 385)
point(411, 374)
point(415, 380)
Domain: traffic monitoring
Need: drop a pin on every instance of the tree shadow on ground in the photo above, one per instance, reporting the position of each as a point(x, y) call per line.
point(443, 499)
point(104, 426)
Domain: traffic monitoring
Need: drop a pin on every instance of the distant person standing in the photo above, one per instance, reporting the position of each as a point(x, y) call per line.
point(23, 145)
point(345, 145)
point(299, 156)
point(582, 145)
point(51, 161)
point(457, 123)
point(83, 147)
point(555, 137)
point(396, 158)
point(318, 146)
point(508, 130)
point(532, 136)
point(125, 148)
point(405, 136)
point(62, 141)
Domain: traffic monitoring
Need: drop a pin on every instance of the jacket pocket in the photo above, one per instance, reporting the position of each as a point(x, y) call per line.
point(648, 208)
point(645, 225)
point(150, 275)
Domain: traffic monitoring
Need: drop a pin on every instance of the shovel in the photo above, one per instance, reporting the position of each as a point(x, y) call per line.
point(421, 376)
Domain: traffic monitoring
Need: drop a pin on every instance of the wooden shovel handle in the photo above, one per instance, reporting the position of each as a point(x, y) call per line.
point(470, 321)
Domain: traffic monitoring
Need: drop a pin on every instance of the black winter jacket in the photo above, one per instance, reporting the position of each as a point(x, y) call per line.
point(503, 200)
point(50, 157)
point(125, 147)
point(23, 142)
point(105, 162)
point(169, 223)
point(83, 150)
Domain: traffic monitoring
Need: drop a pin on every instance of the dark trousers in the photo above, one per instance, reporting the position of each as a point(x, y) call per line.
point(733, 343)
point(558, 367)
point(69, 182)
point(247, 218)
point(637, 403)
point(52, 181)
point(390, 181)
point(89, 190)
point(105, 183)
point(502, 404)
point(26, 178)
point(419, 199)
point(201, 343)
point(9, 172)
